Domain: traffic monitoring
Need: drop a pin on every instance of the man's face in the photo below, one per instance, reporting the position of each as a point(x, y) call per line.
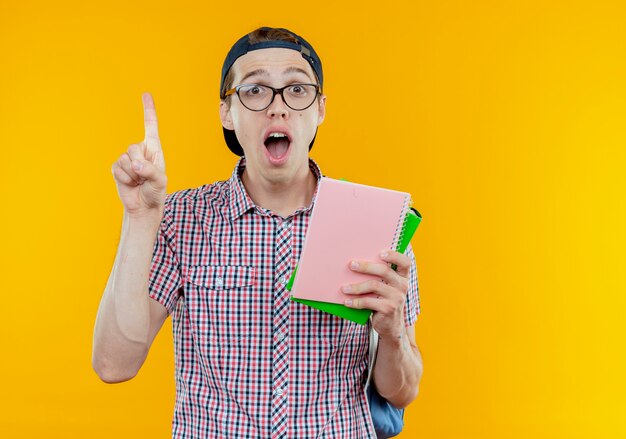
point(278, 159)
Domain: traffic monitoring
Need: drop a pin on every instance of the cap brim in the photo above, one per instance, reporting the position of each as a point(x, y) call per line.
point(232, 142)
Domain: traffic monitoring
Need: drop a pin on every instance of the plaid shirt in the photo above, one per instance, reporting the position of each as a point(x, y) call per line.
point(250, 363)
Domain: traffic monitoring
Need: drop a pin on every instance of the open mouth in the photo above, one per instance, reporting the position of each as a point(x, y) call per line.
point(277, 144)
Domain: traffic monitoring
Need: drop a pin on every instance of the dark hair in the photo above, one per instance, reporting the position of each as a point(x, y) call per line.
point(257, 36)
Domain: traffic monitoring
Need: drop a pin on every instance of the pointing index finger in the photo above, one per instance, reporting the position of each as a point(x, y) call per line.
point(150, 123)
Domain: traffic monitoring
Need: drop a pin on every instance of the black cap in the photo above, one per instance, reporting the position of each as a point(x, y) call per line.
point(243, 46)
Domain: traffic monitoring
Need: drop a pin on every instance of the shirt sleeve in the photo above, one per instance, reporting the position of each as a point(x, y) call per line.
point(164, 281)
point(412, 304)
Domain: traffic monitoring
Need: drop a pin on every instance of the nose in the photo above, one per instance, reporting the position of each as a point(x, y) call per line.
point(278, 108)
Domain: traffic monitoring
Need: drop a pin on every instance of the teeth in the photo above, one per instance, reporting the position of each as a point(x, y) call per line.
point(277, 135)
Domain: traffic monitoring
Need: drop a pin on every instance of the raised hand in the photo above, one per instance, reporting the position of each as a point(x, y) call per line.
point(139, 173)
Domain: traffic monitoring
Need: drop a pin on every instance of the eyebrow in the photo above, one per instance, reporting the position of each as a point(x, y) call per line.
point(263, 72)
point(296, 70)
point(257, 72)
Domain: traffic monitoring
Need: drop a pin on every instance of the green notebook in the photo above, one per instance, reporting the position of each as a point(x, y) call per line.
point(411, 221)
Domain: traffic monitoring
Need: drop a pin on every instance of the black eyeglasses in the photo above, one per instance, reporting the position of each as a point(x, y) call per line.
point(256, 97)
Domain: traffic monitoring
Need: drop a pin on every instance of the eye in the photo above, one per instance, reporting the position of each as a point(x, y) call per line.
point(253, 90)
point(297, 90)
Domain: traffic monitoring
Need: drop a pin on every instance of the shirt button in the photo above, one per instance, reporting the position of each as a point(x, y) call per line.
point(283, 280)
point(285, 225)
point(219, 281)
point(279, 391)
point(281, 336)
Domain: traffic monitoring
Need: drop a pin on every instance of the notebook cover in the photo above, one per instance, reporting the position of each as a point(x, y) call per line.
point(349, 221)
point(361, 316)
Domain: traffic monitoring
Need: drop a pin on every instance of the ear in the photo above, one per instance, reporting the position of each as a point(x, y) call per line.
point(227, 121)
point(321, 110)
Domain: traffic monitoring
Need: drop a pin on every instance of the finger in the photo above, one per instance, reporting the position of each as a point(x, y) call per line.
point(375, 286)
point(374, 304)
point(137, 151)
point(151, 123)
point(121, 176)
point(158, 160)
point(125, 163)
point(381, 270)
point(148, 171)
point(400, 260)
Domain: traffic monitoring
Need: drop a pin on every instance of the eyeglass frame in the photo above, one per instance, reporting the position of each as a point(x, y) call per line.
point(275, 91)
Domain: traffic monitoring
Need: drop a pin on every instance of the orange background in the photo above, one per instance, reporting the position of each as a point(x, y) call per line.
point(504, 119)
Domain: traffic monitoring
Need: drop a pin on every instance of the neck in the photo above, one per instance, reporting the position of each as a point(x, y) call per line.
point(282, 197)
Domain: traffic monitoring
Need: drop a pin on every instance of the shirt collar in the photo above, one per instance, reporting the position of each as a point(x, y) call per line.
point(240, 201)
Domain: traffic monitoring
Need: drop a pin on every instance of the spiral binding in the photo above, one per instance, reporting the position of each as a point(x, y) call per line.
point(399, 233)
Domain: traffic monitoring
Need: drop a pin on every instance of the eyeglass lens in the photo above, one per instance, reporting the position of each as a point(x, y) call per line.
point(259, 97)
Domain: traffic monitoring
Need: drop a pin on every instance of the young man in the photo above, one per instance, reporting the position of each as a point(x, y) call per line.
point(249, 362)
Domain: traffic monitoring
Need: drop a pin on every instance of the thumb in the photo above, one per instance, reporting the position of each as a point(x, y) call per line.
point(150, 172)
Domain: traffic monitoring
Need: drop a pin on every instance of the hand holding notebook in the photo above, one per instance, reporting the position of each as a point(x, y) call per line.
point(349, 221)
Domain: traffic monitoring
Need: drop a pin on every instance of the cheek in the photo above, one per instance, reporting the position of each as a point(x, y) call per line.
point(243, 129)
point(236, 118)
point(307, 117)
point(308, 126)
point(240, 121)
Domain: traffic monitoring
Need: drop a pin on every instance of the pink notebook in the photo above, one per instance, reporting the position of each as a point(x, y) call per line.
point(349, 221)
